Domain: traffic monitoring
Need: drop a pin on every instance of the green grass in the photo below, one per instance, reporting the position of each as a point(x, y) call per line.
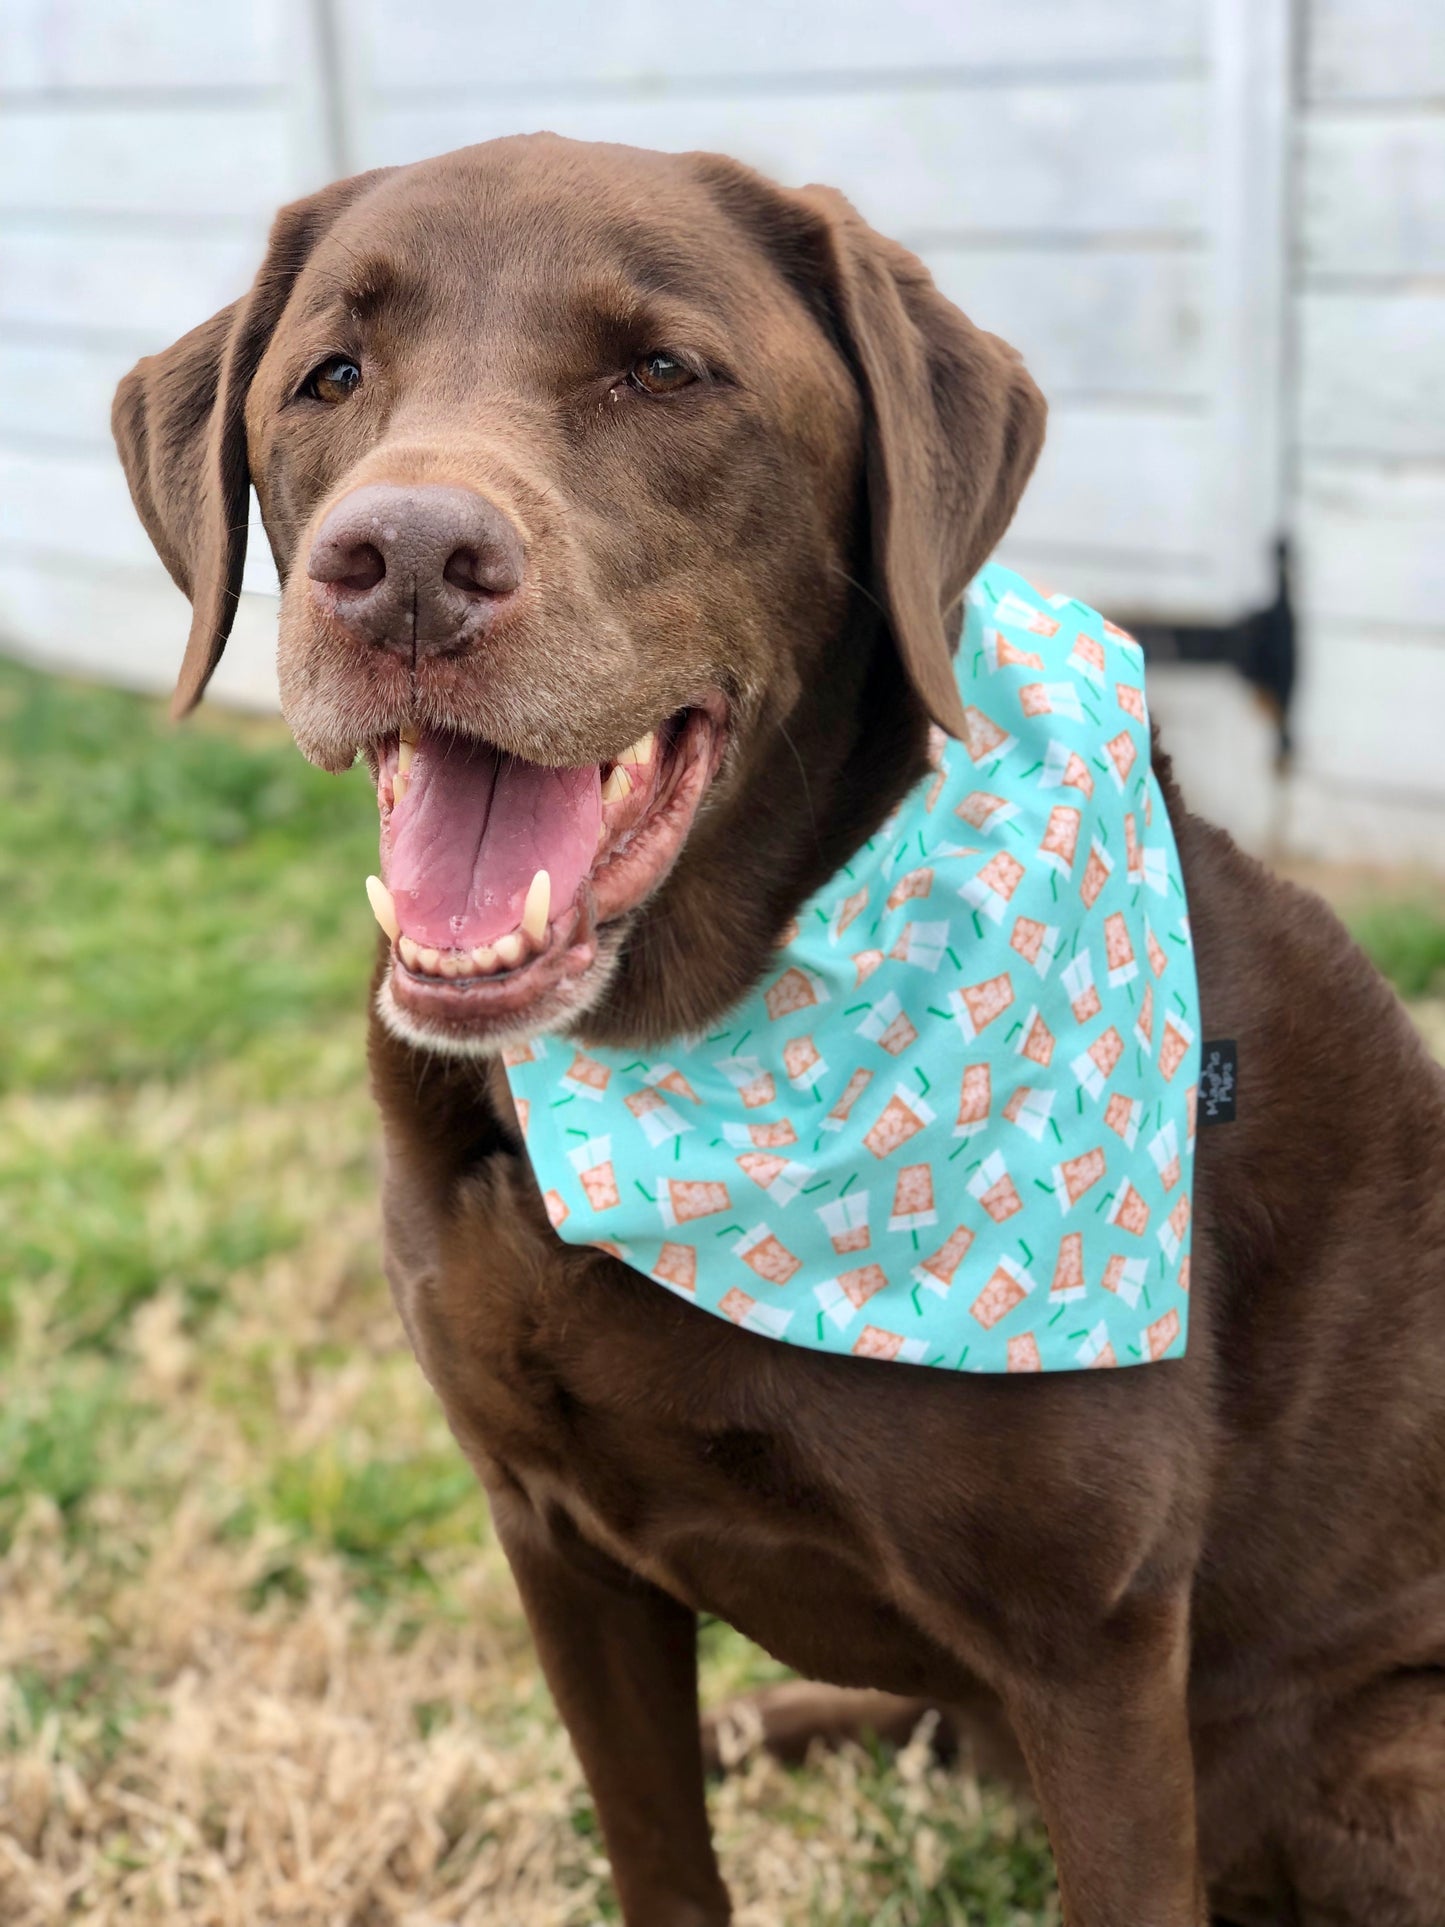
point(385, 1517)
point(1406, 938)
point(176, 895)
point(64, 1441)
point(189, 969)
point(218, 1463)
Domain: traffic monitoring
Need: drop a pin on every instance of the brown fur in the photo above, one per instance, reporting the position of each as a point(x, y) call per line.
point(1207, 1599)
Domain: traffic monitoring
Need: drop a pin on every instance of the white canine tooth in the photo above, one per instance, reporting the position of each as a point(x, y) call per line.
point(382, 907)
point(618, 785)
point(406, 749)
point(398, 787)
point(641, 750)
point(509, 949)
point(484, 957)
point(538, 907)
point(410, 952)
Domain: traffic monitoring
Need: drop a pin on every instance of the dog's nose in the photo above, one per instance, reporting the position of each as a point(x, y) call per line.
point(423, 571)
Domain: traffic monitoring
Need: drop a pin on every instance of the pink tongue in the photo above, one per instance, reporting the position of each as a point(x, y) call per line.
point(473, 830)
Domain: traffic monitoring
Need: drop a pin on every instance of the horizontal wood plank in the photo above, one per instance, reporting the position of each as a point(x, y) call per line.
point(222, 162)
point(1368, 709)
point(1375, 50)
point(1055, 160)
point(1354, 823)
point(129, 629)
point(148, 288)
point(1089, 321)
point(59, 502)
point(1121, 480)
point(574, 41)
point(1372, 194)
point(146, 44)
point(1372, 373)
point(59, 391)
point(1369, 543)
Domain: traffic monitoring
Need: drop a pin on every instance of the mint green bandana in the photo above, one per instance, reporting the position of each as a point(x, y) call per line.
point(954, 1126)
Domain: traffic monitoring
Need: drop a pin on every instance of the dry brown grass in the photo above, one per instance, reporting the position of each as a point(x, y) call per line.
point(279, 1775)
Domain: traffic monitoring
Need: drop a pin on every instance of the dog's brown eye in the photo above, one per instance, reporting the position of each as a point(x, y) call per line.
point(659, 374)
point(333, 381)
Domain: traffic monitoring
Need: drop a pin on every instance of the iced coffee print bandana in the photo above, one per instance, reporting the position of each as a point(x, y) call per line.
point(954, 1125)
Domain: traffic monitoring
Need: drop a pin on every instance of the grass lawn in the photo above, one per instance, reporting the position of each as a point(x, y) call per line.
point(260, 1660)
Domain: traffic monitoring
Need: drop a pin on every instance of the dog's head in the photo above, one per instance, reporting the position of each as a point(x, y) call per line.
point(623, 505)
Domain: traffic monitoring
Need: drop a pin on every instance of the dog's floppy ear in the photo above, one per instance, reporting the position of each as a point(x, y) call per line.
point(952, 419)
point(954, 425)
point(179, 422)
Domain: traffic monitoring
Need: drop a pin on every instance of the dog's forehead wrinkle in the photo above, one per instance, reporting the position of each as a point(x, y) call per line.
point(369, 283)
point(352, 276)
point(617, 224)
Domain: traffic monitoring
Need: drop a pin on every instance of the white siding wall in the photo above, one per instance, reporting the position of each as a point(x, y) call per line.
point(1369, 487)
point(144, 146)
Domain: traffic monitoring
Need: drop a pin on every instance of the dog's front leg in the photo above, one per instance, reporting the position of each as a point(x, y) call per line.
point(621, 1659)
point(1105, 1732)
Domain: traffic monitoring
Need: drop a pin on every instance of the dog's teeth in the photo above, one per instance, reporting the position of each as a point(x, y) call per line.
point(405, 750)
point(538, 907)
point(428, 959)
point(618, 785)
point(641, 750)
point(485, 957)
point(382, 907)
point(509, 949)
point(410, 952)
point(398, 787)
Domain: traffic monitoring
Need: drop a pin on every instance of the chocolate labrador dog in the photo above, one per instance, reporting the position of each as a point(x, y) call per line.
point(656, 488)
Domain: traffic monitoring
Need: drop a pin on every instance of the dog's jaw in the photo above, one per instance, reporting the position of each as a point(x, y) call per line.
point(558, 1008)
point(508, 888)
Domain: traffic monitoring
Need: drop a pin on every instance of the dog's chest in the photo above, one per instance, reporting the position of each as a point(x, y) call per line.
point(648, 1446)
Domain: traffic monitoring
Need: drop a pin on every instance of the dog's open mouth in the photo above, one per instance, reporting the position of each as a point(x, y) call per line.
point(497, 874)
